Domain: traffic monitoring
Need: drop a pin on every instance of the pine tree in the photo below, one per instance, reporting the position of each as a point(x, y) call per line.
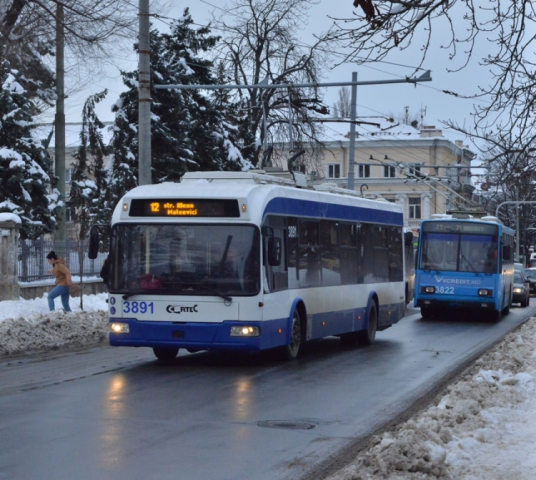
point(25, 166)
point(88, 198)
point(190, 130)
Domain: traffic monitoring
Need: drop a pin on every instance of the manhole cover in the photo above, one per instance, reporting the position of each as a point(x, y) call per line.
point(286, 424)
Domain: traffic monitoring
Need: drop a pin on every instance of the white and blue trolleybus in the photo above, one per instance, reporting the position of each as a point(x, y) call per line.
point(248, 261)
point(464, 263)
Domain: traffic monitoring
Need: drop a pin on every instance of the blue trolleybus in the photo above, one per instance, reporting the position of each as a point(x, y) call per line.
point(464, 264)
point(248, 261)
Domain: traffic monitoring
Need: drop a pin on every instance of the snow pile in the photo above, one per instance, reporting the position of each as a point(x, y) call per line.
point(27, 326)
point(477, 430)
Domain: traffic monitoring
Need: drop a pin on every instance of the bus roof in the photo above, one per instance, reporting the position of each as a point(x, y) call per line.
point(453, 218)
point(258, 194)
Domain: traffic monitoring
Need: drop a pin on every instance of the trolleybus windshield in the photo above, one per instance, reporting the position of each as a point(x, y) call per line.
point(185, 259)
point(459, 251)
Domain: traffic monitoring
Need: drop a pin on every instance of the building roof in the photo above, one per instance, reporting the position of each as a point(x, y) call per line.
point(369, 128)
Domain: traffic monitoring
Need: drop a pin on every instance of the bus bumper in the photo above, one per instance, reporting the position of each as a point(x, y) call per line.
point(199, 336)
point(469, 304)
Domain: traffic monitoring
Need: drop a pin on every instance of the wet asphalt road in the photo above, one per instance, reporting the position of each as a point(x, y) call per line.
point(116, 413)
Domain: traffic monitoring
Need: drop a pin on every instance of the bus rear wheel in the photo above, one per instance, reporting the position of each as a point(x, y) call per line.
point(366, 337)
point(165, 353)
point(427, 313)
point(292, 350)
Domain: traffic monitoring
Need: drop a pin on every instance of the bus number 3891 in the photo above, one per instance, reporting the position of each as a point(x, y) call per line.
point(138, 307)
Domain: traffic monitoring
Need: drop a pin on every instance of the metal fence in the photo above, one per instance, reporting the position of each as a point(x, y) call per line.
point(33, 265)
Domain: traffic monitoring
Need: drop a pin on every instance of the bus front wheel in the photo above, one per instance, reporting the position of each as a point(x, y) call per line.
point(426, 313)
point(292, 350)
point(165, 353)
point(366, 337)
point(496, 316)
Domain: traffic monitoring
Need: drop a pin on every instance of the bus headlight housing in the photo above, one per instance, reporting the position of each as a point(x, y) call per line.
point(427, 289)
point(118, 327)
point(485, 292)
point(245, 331)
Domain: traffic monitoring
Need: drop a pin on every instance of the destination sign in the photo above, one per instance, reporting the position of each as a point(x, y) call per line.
point(184, 208)
point(460, 227)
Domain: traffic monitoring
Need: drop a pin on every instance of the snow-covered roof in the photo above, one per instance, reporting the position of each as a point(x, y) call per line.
point(9, 217)
point(370, 128)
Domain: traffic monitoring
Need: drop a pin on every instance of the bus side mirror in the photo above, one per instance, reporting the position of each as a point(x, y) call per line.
point(408, 239)
point(94, 240)
point(506, 252)
point(274, 251)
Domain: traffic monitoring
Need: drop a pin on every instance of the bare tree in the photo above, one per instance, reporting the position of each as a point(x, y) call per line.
point(512, 177)
point(260, 44)
point(94, 30)
point(379, 27)
point(342, 108)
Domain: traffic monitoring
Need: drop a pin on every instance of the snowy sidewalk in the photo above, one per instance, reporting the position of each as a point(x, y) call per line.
point(484, 428)
point(27, 326)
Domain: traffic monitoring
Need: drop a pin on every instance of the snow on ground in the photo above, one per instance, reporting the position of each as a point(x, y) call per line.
point(27, 326)
point(484, 427)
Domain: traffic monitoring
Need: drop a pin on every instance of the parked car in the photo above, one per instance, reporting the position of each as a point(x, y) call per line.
point(530, 275)
point(521, 289)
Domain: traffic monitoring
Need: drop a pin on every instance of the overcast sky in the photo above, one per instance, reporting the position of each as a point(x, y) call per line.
point(427, 98)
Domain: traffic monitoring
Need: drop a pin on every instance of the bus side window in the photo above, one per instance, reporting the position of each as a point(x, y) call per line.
point(276, 274)
point(292, 252)
point(309, 260)
point(348, 254)
point(396, 272)
point(381, 254)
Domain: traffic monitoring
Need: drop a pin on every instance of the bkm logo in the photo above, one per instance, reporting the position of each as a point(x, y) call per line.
point(180, 309)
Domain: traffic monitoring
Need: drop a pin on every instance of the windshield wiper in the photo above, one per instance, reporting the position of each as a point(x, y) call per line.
point(226, 297)
point(137, 292)
point(469, 263)
point(431, 268)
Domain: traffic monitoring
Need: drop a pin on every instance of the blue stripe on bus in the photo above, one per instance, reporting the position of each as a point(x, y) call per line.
point(308, 208)
point(215, 336)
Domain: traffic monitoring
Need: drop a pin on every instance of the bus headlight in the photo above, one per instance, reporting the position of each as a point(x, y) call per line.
point(119, 327)
point(245, 331)
point(427, 289)
point(485, 292)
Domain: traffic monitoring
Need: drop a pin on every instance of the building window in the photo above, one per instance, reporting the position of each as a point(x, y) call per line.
point(363, 171)
point(414, 169)
point(334, 170)
point(414, 207)
point(68, 175)
point(389, 171)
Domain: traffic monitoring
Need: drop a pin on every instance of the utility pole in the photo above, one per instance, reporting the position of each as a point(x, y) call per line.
point(59, 125)
point(144, 96)
point(353, 115)
point(517, 226)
